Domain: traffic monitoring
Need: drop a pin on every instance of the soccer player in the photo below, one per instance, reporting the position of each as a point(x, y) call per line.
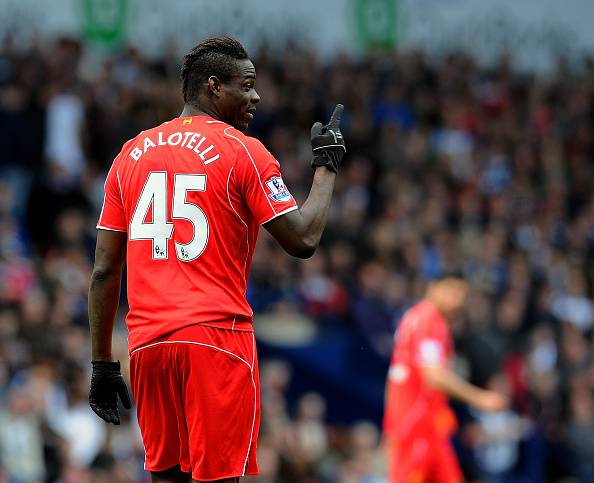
point(418, 422)
point(183, 205)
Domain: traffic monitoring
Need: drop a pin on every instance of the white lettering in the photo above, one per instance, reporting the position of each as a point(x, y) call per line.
point(210, 160)
point(203, 153)
point(196, 150)
point(160, 141)
point(148, 144)
point(177, 135)
point(136, 153)
point(187, 134)
point(191, 142)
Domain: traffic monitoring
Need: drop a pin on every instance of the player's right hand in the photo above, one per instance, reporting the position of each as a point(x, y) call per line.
point(107, 384)
point(327, 142)
point(491, 401)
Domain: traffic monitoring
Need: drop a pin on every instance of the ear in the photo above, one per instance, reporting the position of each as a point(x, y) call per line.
point(214, 86)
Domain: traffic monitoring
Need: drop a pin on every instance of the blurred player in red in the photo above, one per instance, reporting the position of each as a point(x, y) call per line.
point(183, 205)
point(418, 422)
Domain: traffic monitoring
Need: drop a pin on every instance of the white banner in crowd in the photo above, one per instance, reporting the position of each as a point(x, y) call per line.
point(534, 32)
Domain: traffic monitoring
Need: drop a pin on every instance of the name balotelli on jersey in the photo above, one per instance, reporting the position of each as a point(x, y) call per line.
point(190, 140)
point(191, 195)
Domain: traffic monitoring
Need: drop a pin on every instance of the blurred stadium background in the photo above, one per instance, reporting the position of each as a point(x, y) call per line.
point(470, 129)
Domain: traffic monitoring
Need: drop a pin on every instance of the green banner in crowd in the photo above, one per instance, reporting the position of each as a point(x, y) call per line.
point(104, 21)
point(377, 22)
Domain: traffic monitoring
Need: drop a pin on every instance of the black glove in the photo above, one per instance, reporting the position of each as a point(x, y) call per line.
point(327, 142)
point(106, 384)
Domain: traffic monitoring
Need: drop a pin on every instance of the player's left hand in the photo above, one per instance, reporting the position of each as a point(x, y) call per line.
point(327, 142)
point(107, 384)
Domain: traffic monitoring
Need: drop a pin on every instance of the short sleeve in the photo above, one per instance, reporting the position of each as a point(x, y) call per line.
point(431, 345)
point(112, 215)
point(259, 179)
point(431, 353)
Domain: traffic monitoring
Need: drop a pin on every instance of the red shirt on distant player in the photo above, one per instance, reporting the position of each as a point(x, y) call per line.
point(191, 194)
point(412, 407)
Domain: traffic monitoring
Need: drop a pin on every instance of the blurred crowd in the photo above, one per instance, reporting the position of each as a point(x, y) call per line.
point(450, 167)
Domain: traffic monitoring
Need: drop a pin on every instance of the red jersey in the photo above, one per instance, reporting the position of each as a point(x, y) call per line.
point(191, 194)
point(422, 339)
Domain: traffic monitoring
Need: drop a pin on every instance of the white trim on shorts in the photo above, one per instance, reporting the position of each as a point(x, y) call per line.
point(193, 343)
point(255, 404)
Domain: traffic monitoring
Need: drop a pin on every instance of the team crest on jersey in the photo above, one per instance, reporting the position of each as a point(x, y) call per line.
point(278, 190)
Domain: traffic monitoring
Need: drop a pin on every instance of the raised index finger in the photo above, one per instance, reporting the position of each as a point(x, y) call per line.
point(336, 115)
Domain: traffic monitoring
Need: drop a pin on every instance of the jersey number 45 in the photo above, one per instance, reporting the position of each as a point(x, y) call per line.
point(159, 230)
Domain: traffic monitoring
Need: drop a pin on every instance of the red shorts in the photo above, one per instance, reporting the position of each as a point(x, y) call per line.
point(423, 459)
point(198, 399)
